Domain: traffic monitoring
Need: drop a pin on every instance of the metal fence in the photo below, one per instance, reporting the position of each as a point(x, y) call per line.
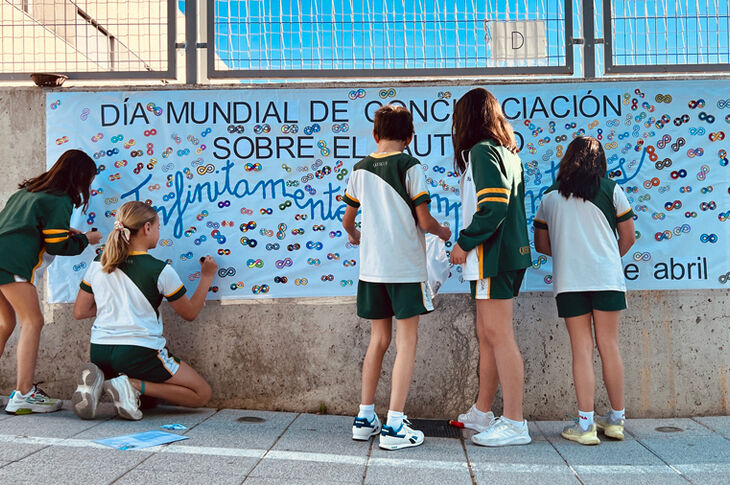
point(383, 39)
point(391, 38)
point(666, 36)
point(88, 39)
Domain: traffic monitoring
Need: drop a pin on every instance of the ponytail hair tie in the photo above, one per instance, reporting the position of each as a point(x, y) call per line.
point(126, 233)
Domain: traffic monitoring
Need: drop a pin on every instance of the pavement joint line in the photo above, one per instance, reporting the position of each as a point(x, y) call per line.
point(271, 447)
point(673, 468)
point(573, 470)
point(710, 428)
point(367, 464)
point(468, 462)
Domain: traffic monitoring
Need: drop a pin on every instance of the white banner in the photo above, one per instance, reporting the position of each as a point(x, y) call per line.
point(254, 177)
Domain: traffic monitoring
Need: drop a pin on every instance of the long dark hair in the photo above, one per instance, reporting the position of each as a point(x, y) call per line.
point(71, 175)
point(582, 167)
point(478, 116)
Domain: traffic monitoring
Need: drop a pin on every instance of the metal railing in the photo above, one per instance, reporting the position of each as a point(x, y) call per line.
point(653, 36)
point(387, 38)
point(88, 39)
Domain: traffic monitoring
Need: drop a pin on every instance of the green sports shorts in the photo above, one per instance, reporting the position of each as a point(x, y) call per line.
point(7, 277)
point(376, 301)
point(136, 362)
point(576, 303)
point(502, 286)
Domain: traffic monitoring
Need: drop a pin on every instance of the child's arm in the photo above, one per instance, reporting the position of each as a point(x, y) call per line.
point(427, 222)
point(542, 241)
point(348, 223)
point(85, 305)
point(626, 235)
point(189, 309)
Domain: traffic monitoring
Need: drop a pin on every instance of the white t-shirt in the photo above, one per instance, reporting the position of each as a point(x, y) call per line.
point(387, 188)
point(583, 238)
point(128, 299)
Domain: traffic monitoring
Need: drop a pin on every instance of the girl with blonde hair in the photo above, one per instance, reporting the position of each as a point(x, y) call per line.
point(123, 289)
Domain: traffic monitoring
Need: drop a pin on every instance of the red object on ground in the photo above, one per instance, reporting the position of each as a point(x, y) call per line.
point(456, 424)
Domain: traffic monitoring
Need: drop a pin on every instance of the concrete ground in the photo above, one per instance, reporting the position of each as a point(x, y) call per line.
point(291, 448)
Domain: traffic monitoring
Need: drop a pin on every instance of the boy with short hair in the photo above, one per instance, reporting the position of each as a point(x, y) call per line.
point(389, 187)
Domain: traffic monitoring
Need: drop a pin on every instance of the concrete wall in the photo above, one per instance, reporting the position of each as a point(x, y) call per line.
point(297, 355)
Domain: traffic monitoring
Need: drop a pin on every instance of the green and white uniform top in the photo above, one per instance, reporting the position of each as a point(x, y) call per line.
point(583, 238)
point(387, 188)
point(128, 300)
point(34, 223)
point(492, 192)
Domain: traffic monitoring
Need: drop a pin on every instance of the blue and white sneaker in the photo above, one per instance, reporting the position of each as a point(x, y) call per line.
point(405, 437)
point(36, 401)
point(362, 429)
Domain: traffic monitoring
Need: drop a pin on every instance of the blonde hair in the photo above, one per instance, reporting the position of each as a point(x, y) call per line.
point(131, 217)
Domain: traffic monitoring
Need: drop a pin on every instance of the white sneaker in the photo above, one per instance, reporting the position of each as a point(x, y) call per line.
point(362, 429)
point(404, 437)
point(471, 420)
point(36, 401)
point(125, 397)
point(88, 391)
point(502, 433)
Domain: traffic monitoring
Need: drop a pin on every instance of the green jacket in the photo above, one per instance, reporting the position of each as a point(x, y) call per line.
point(33, 223)
point(493, 205)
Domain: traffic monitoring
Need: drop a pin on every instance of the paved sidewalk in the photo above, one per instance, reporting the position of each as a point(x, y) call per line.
point(231, 446)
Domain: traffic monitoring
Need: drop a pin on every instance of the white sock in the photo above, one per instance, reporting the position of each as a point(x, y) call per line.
point(479, 413)
point(616, 415)
point(395, 419)
point(585, 419)
point(519, 424)
point(367, 411)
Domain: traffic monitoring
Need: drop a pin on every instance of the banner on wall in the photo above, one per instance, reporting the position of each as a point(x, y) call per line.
point(255, 177)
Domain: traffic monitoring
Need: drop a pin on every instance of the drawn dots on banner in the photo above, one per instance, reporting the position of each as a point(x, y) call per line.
point(281, 279)
point(340, 128)
point(258, 289)
point(237, 286)
point(642, 256)
point(709, 238)
point(444, 95)
point(706, 117)
point(301, 282)
point(264, 128)
point(84, 114)
point(702, 174)
point(156, 110)
point(663, 98)
point(79, 267)
point(724, 278)
point(236, 129)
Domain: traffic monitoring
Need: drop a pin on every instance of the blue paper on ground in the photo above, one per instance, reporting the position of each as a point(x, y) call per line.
point(141, 440)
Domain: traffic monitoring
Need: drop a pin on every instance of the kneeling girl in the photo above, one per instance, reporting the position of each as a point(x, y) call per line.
point(123, 288)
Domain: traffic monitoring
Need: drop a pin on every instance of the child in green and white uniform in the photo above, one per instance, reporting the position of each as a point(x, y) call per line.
point(34, 223)
point(576, 224)
point(124, 288)
point(389, 187)
point(493, 249)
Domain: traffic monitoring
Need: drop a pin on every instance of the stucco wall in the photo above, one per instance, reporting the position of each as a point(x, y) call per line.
point(297, 355)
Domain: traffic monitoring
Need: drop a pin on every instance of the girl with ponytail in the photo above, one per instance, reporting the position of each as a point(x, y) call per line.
point(123, 289)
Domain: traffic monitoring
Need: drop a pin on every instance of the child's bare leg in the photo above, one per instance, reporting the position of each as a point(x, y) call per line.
point(185, 388)
point(23, 298)
point(488, 377)
point(406, 341)
point(372, 365)
point(606, 327)
point(581, 343)
point(7, 322)
point(496, 316)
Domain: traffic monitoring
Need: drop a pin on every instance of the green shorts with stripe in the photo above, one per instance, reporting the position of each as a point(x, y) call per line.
point(502, 286)
point(136, 362)
point(384, 300)
point(7, 277)
point(576, 303)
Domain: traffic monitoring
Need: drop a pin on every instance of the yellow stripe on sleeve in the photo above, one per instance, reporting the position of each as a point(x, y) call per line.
point(493, 199)
point(425, 192)
point(624, 213)
point(55, 231)
point(55, 239)
point(174, 292)
point(351, 197)
point(493, 190)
